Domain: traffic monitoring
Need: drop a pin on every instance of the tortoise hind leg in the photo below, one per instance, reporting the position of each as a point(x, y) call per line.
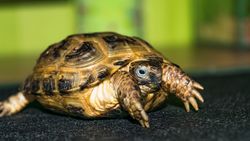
point(14, 104)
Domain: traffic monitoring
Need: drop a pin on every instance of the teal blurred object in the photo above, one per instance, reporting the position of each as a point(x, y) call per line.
point(223, 23)
point(243, 12)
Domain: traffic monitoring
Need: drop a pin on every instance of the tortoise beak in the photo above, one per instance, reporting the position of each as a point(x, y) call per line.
point(155, 82)
point(154, 86)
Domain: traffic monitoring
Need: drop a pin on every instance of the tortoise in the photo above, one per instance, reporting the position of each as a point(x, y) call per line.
point(103, 74)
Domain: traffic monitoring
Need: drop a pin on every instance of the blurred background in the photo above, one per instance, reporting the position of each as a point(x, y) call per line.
point(199, 35)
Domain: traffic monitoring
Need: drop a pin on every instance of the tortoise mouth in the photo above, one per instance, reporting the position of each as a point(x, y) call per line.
point(150, 88)
point(154, 86)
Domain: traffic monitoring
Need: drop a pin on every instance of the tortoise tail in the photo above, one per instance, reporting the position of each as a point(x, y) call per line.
point(14, 104)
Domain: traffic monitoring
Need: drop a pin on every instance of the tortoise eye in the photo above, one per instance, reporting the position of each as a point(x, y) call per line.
point(141, 71)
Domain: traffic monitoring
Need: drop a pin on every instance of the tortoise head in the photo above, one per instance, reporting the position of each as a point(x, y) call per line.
point(147, 73)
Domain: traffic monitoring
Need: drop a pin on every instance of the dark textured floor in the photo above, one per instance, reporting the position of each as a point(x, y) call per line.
point(223, 116)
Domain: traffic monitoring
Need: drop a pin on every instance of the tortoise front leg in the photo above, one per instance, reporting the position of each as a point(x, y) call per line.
point(129, 96)
point(176, 81)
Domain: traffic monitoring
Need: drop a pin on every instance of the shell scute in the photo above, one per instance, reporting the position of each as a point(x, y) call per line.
point(86, 81)
point(83, 52)
point(64, 85)
point(49, 86)
point(35, 86)
point(54, 52)
point(103, 73)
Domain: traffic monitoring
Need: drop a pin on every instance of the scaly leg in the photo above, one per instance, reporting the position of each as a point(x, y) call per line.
point(14, 104)
point(176, 81)
point(129, 96)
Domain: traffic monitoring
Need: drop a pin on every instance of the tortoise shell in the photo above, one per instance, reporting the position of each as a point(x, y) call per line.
point(85, 60)
point(79, 62)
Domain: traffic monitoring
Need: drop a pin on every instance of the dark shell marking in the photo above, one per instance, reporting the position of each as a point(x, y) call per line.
point(85, 51)
point(48, 86)
point(121, 62)
point(155, 61)
point(31, 86)
point(83, 55)
point(64, 85)
point(155, 58)
point(54, 51)
point(86, 82)
point(114, 41)
point(103, 73)
point(35, 86)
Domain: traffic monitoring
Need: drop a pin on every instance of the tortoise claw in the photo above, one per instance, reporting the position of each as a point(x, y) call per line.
point(186, 104)
point(198, 86)
point(193, 102)
point(198, 95)
point(147, 124)
point(190, 96)
point(144, 119)
point(144, 124)
point(142, 116)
